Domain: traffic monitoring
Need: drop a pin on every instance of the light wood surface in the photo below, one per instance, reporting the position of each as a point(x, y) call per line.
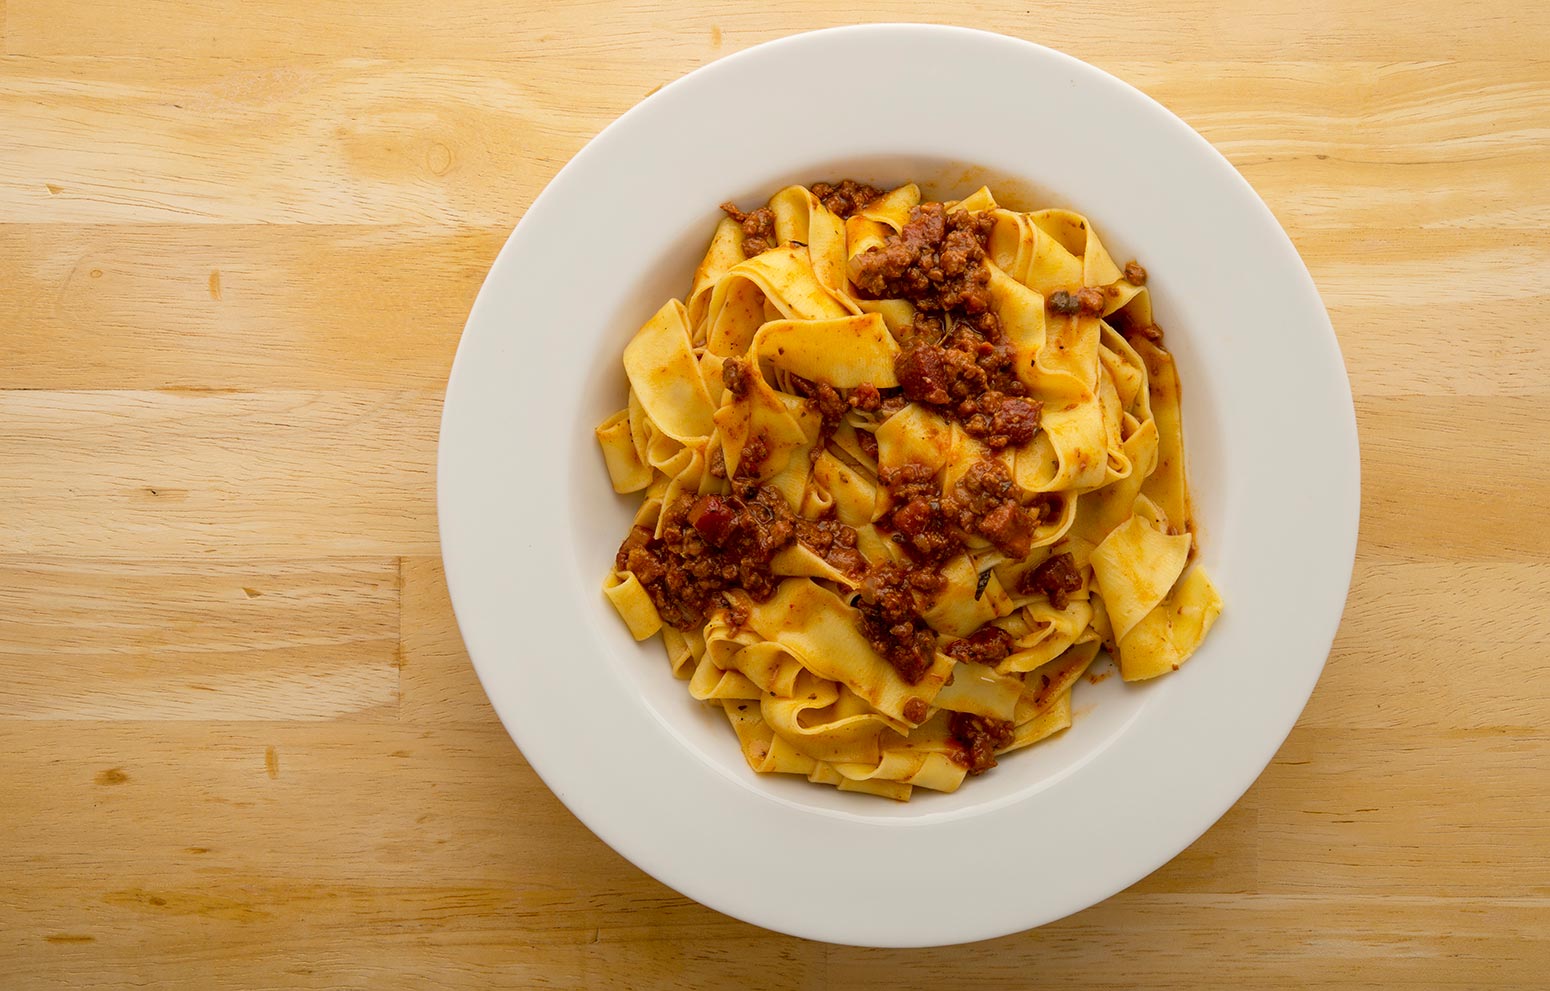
point(240, 742)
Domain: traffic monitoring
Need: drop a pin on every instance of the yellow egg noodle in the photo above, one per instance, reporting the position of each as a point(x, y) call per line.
point(803, 688)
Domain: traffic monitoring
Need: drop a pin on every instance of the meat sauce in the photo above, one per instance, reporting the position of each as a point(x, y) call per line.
point(987, 645)
point(1086, 301)
point(889, 603)
point(958, 360)
point(844, 197)
point(758, 228)
point(937, 261)
point(711, 543)
point(933, 526)
point(1056, 578)
point(979, 737)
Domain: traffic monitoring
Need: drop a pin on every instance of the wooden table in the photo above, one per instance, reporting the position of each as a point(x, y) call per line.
point(240, 742)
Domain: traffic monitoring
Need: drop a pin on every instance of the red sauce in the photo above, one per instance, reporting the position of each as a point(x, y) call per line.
point(1056, 578)
point(712, 543)
point(979, 737)
point(844, 197)
point(758, 228)
point(986, 645)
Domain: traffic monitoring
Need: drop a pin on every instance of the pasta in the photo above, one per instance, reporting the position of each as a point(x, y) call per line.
point(904, 469)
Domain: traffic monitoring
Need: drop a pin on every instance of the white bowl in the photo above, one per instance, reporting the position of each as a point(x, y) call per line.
point(529, 524)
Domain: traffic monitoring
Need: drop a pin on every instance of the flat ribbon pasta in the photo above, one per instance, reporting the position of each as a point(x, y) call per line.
point(819, 630)
point(661, 365)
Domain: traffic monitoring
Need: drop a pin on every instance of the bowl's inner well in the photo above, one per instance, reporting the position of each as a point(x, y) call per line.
point(1102, 706)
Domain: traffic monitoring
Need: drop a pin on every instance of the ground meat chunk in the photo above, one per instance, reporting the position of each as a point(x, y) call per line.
point(734, 375)
point(833, 541)
point(865, 397)
point(936, 261)
point(826, 399)
point(1089, 300)
point(994, 356)
point(979, 737)
point(758, 228)
point(922, 373)
point(1009, 527)
point(919, 518)
point(972, 379)
point(1057, 578)
point(912, 518)
point(888, 592)
point(845, 197)
point(831, 408)
point(635, 557)
point(890, 620)
point(985, 501)
point(1001, 420)
point(1046, 505)
point(986, 645)
point(716, 464)
point(714, 517)
point(737, 613)
point(751, 461)
point(1061, 302)
point(1134, 273)
point(924, 328)
point(932, 527)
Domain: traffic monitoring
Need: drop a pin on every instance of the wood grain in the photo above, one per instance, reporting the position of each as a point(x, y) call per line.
point(234, 307)
point(603, 34)
point(337, 141)
point(238, 476)
point(214, 640)
point(241, 744)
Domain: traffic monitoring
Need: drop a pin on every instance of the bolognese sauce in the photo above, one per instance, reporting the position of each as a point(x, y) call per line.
point(986, 645)
point(844, 197)
point(978, 739)
point(758, 228)
point(1056, 578)
point(957, 359)
point(710, 544)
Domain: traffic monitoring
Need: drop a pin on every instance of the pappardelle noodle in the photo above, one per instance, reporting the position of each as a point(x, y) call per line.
point(906, 467)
